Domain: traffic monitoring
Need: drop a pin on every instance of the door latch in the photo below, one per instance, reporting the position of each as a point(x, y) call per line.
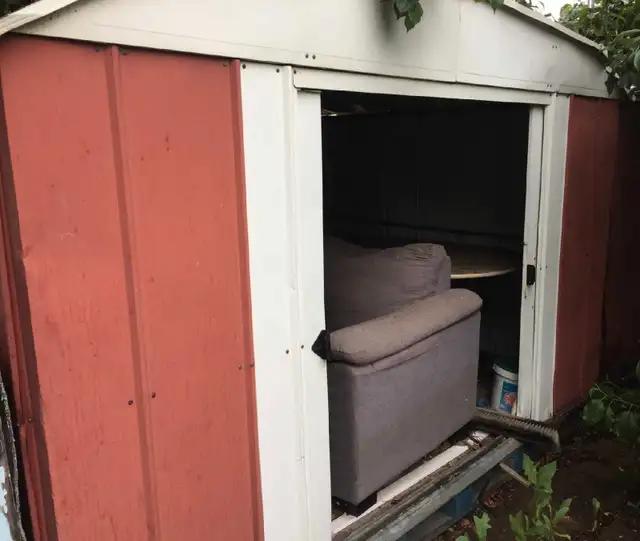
point(531, 275)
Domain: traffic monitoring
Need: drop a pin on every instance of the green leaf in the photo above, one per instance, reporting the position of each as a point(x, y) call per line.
point(483, 525)
point(415, 13)
point(593, 412)
point(413, 16)
point(403, 5)
point(629, 33)
point(530, 470)
point(537, 529)
point(517, 526)
point(636, 64)
point(595, 503)
point(546, 474)
point(627, 426)
point(563, 510)
point(464, 537)
point(609, 419)
point(541, 499)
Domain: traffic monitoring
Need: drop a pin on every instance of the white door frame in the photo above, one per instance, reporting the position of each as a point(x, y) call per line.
point(527, 374)
point(554, 153)
point(283, 168)
point(283, 175)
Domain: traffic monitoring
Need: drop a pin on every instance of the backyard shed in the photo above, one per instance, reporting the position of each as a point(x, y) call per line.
point(170, 171)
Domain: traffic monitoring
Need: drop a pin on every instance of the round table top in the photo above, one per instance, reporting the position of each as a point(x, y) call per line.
point(470, 262)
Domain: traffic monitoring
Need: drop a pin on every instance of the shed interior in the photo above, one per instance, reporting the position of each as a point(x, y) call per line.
point(399, 170)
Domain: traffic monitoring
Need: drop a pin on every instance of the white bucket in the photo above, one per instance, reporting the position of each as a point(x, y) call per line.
point(505, 390)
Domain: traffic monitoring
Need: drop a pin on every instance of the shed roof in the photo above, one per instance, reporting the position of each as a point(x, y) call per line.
point(31, 13)
point(458, 41)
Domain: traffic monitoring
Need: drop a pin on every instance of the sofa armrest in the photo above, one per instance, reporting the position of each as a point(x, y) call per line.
point(375, 339)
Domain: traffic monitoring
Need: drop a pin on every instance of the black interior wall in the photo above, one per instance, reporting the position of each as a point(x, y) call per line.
point(454, 170)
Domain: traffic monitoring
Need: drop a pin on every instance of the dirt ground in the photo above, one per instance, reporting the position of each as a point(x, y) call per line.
point(590, 466)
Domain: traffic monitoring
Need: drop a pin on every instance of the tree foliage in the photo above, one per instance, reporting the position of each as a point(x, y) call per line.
point(7, 6)
point(614, 409)
point(615, 24)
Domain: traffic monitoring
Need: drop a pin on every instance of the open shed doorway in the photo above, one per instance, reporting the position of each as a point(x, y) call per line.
point(401, 170)
point(458, 174)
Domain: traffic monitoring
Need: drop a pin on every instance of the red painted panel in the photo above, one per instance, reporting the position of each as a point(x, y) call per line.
point(591, 159)
point(60, 137)
point(187, 248)
point(128, 191)
point(622, 300)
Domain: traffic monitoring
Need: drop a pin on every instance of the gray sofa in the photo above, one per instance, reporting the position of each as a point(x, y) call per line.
point(403, 361)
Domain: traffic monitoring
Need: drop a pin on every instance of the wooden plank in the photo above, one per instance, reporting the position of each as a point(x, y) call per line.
point(481, 464)
point(398, 516)
point(590, 169)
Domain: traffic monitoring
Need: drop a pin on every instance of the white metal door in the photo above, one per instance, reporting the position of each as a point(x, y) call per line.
point(527, 370)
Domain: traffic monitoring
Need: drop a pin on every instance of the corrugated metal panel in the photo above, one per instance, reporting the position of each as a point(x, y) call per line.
point(622, 301)
point(128, 189)
point(590, 169)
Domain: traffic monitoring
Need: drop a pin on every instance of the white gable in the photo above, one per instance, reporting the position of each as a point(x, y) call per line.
point(457, 41)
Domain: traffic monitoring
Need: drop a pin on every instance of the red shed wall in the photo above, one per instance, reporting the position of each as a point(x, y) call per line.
point(622, 299)
point(590, 170)
point(123, 195)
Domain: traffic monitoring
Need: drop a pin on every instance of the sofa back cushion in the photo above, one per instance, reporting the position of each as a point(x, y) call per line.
point(361, 283)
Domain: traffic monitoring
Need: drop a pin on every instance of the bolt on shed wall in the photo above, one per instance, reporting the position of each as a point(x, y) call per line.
point(126, 170)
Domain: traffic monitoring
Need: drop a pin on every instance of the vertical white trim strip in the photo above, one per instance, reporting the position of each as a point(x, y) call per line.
point(273, 280)
point(554, 151)
point(309, 227)
point(527, 370)
point(283, 169)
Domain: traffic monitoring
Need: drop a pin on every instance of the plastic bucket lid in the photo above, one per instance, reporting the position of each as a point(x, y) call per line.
point(506, 374)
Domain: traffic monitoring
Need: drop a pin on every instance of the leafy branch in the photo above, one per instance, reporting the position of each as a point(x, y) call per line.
point(614, 24)
point(614, 409)
point(543, 519)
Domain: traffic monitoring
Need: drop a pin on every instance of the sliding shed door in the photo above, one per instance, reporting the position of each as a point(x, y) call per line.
point(124, 206)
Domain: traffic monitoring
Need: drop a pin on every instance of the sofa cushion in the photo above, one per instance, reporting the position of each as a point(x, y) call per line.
point(362, 284)
point(389, 335)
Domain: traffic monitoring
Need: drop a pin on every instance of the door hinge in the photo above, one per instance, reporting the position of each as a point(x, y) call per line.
point(531, 275)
